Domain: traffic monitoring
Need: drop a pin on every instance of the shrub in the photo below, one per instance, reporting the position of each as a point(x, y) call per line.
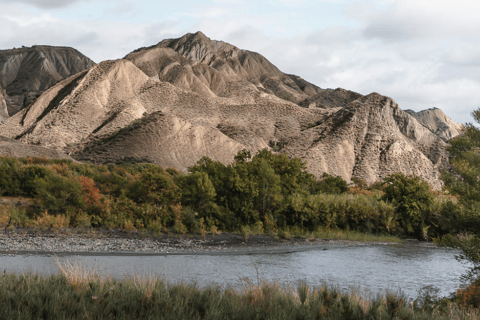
point(331, 185)
point(57, 193)
point(9, 176)
point(412, 199)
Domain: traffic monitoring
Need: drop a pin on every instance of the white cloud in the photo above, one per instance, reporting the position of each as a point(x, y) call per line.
point(46, 4)
point(407, 19)
point(421, 53)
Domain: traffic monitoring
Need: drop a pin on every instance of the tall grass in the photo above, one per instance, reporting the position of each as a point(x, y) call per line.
point(81, 294)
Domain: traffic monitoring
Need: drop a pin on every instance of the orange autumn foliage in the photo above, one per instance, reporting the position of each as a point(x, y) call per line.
point(470, 297)
point(91, 194)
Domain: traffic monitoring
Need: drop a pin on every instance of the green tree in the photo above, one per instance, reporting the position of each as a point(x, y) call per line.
point(412, 199)
point(9, 177)
point(269, 190)
point(56, 193)
point(463, 181)
point(331, 184)
point(198, 191)
point(155, 186)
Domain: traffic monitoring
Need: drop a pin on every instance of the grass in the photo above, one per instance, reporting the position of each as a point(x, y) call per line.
point(77, 293)
point(331, 234)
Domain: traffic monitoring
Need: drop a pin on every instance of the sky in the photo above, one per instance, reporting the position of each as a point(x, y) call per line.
point(421, 53)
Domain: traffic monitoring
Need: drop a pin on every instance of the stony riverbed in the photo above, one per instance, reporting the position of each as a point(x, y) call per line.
point(119, 242)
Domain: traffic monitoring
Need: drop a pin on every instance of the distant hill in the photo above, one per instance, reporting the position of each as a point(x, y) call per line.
point(437, 122)
point(180, 100)
point(27, 72)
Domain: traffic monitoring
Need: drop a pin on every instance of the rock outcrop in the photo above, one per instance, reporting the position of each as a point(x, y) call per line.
point(437, 122)
point(27, 72)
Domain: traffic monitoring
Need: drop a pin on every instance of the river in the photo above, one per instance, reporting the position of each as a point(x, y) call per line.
point(370, 268)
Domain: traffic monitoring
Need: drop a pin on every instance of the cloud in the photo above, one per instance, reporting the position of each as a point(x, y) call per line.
point(407, 19)
point(46, 4)
point(417, 52)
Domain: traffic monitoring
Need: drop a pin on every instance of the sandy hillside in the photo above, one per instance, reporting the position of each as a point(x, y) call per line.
point(13, 148)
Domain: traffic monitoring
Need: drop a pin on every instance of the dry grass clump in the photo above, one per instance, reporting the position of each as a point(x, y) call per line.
point(81, 293)
point(77, 274)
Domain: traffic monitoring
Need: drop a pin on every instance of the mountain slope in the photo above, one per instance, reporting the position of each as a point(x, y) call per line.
point(437, 122)
point(185, 98)
point(371, 138)
point(232, 62)
point(26, 72)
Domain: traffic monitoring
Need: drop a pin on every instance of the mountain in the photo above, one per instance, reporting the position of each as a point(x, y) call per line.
point(26, 72)
point(172, 103)
point(217, 68)
point(437, 122)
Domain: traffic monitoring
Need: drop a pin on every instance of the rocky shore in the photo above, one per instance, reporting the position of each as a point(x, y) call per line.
point(106, 242)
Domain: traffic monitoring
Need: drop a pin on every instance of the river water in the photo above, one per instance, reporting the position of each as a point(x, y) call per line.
point(370, 268)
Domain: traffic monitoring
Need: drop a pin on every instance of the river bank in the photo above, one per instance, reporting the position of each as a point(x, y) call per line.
point(74, 241)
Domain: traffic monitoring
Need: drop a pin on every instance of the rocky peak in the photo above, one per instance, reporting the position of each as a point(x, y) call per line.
point(437, 122)
point(198, 47)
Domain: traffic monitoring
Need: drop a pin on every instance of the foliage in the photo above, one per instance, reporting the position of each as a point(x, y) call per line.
point(331, 184)
point(463, 181)
point(412, 199)
point(268, 192)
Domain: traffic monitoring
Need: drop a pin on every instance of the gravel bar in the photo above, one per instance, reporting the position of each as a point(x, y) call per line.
point(121, 243)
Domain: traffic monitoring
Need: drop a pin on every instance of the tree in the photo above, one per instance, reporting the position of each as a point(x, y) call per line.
point(197, 190)
point(331, 184)
point(463, 181)
point(412, 199)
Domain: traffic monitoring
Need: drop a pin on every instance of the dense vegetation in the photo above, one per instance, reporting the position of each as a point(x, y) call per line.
point(71, 296)
point(463, 181)
point(266, 193)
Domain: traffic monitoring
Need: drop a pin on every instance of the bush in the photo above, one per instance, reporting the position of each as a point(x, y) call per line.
point(9, 177)
point(332, 185)
point(56, 193)
point(412, 199)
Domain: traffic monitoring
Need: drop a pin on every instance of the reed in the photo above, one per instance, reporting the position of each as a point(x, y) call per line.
point(78, 293)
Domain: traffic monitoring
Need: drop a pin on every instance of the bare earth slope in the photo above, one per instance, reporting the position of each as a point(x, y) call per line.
point(437, 122)
point(26, 72)
point(13, 148)
point(3, 105)
point(329, 99)
point(230, 61)
point(186, 98)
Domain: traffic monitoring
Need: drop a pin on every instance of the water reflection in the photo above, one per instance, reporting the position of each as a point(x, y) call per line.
point(375, 268)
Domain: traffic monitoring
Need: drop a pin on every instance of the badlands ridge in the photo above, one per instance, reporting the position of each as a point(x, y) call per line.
point(182, 99)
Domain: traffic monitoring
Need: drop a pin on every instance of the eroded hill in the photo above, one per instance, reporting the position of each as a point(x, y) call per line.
point(27, 72)
point(185, 98)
